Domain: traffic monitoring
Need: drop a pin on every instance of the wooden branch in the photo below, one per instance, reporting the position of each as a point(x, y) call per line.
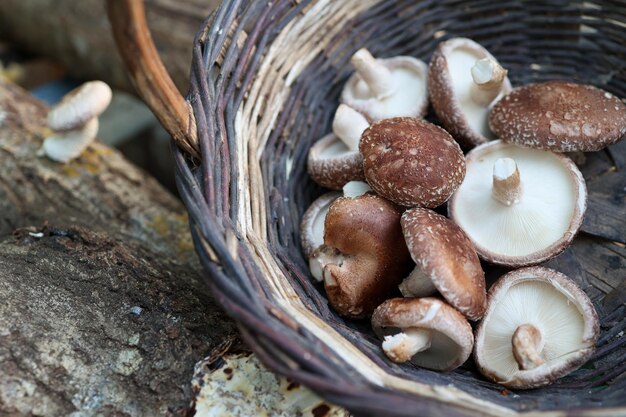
point(77, 34)
point(150, 77)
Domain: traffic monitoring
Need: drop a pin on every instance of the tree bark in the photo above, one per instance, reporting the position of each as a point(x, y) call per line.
point(78, 34)
point(102, 306)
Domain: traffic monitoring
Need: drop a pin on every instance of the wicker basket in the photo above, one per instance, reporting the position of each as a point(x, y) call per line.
point(265, 82)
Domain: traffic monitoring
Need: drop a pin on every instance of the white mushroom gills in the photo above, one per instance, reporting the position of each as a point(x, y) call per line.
point(377, 77)
point(530, 303)
point(476, 82)
point(527, 343)
point(348, 125)
point(543, 213)
point(417, 284)
point(65, 146)
point(507, 186)
point(488, 76)
point(401, 347)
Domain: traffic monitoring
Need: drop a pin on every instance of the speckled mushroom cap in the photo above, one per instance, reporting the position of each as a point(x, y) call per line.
point(563, 315)
point(445, 255)
point(540, 225)
point(452, 338)
point(560, 116)
point(79, 106)
point(312, 224)
point(331, 164)
point(410, 98)
point(449, 76)
point(372, 257)
point(411, 162)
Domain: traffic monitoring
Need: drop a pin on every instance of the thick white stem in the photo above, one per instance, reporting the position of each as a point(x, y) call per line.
point(348, 125)
point(376, 75)
point(527, 345)
point(488, 78)
point(355, 188)
point(507, 186)
point(417, 284)
point(401, 347)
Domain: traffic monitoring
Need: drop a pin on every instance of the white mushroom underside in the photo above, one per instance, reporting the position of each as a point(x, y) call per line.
point(539, 220)
point(460, 63)
point(65, 146)
point(335, 149)
point(537, 303)
point(318, 225)
point(410, 91)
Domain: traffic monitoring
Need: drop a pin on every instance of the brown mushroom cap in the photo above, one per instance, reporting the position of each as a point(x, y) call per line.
point(559, 116)
point(409, 98)
point(79, 106)
point(542, 220)
point(331, 164)
point(545, 300)
point(372, 259)
point(451, 338)
point(446, 257)
point(456, 110)
point(312, 224)
point(411, 162)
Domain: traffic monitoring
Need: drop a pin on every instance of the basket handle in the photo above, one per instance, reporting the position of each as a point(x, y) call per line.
point(153, 83)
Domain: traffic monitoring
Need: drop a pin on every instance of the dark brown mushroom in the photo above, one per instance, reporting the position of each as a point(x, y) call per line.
point(364, 254)
point(411, 162)
point(559, 116)
point(446, 262)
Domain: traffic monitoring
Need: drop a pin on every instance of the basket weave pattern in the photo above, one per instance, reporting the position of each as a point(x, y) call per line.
point(265, 87)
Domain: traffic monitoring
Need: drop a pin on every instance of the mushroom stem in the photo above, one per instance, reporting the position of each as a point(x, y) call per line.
point(401, 347)
point(375, 74)
point(348, 125)
point(355, 188)
point(488, 78)
point(527, 346)
point(417, 284)
point(507, 186)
